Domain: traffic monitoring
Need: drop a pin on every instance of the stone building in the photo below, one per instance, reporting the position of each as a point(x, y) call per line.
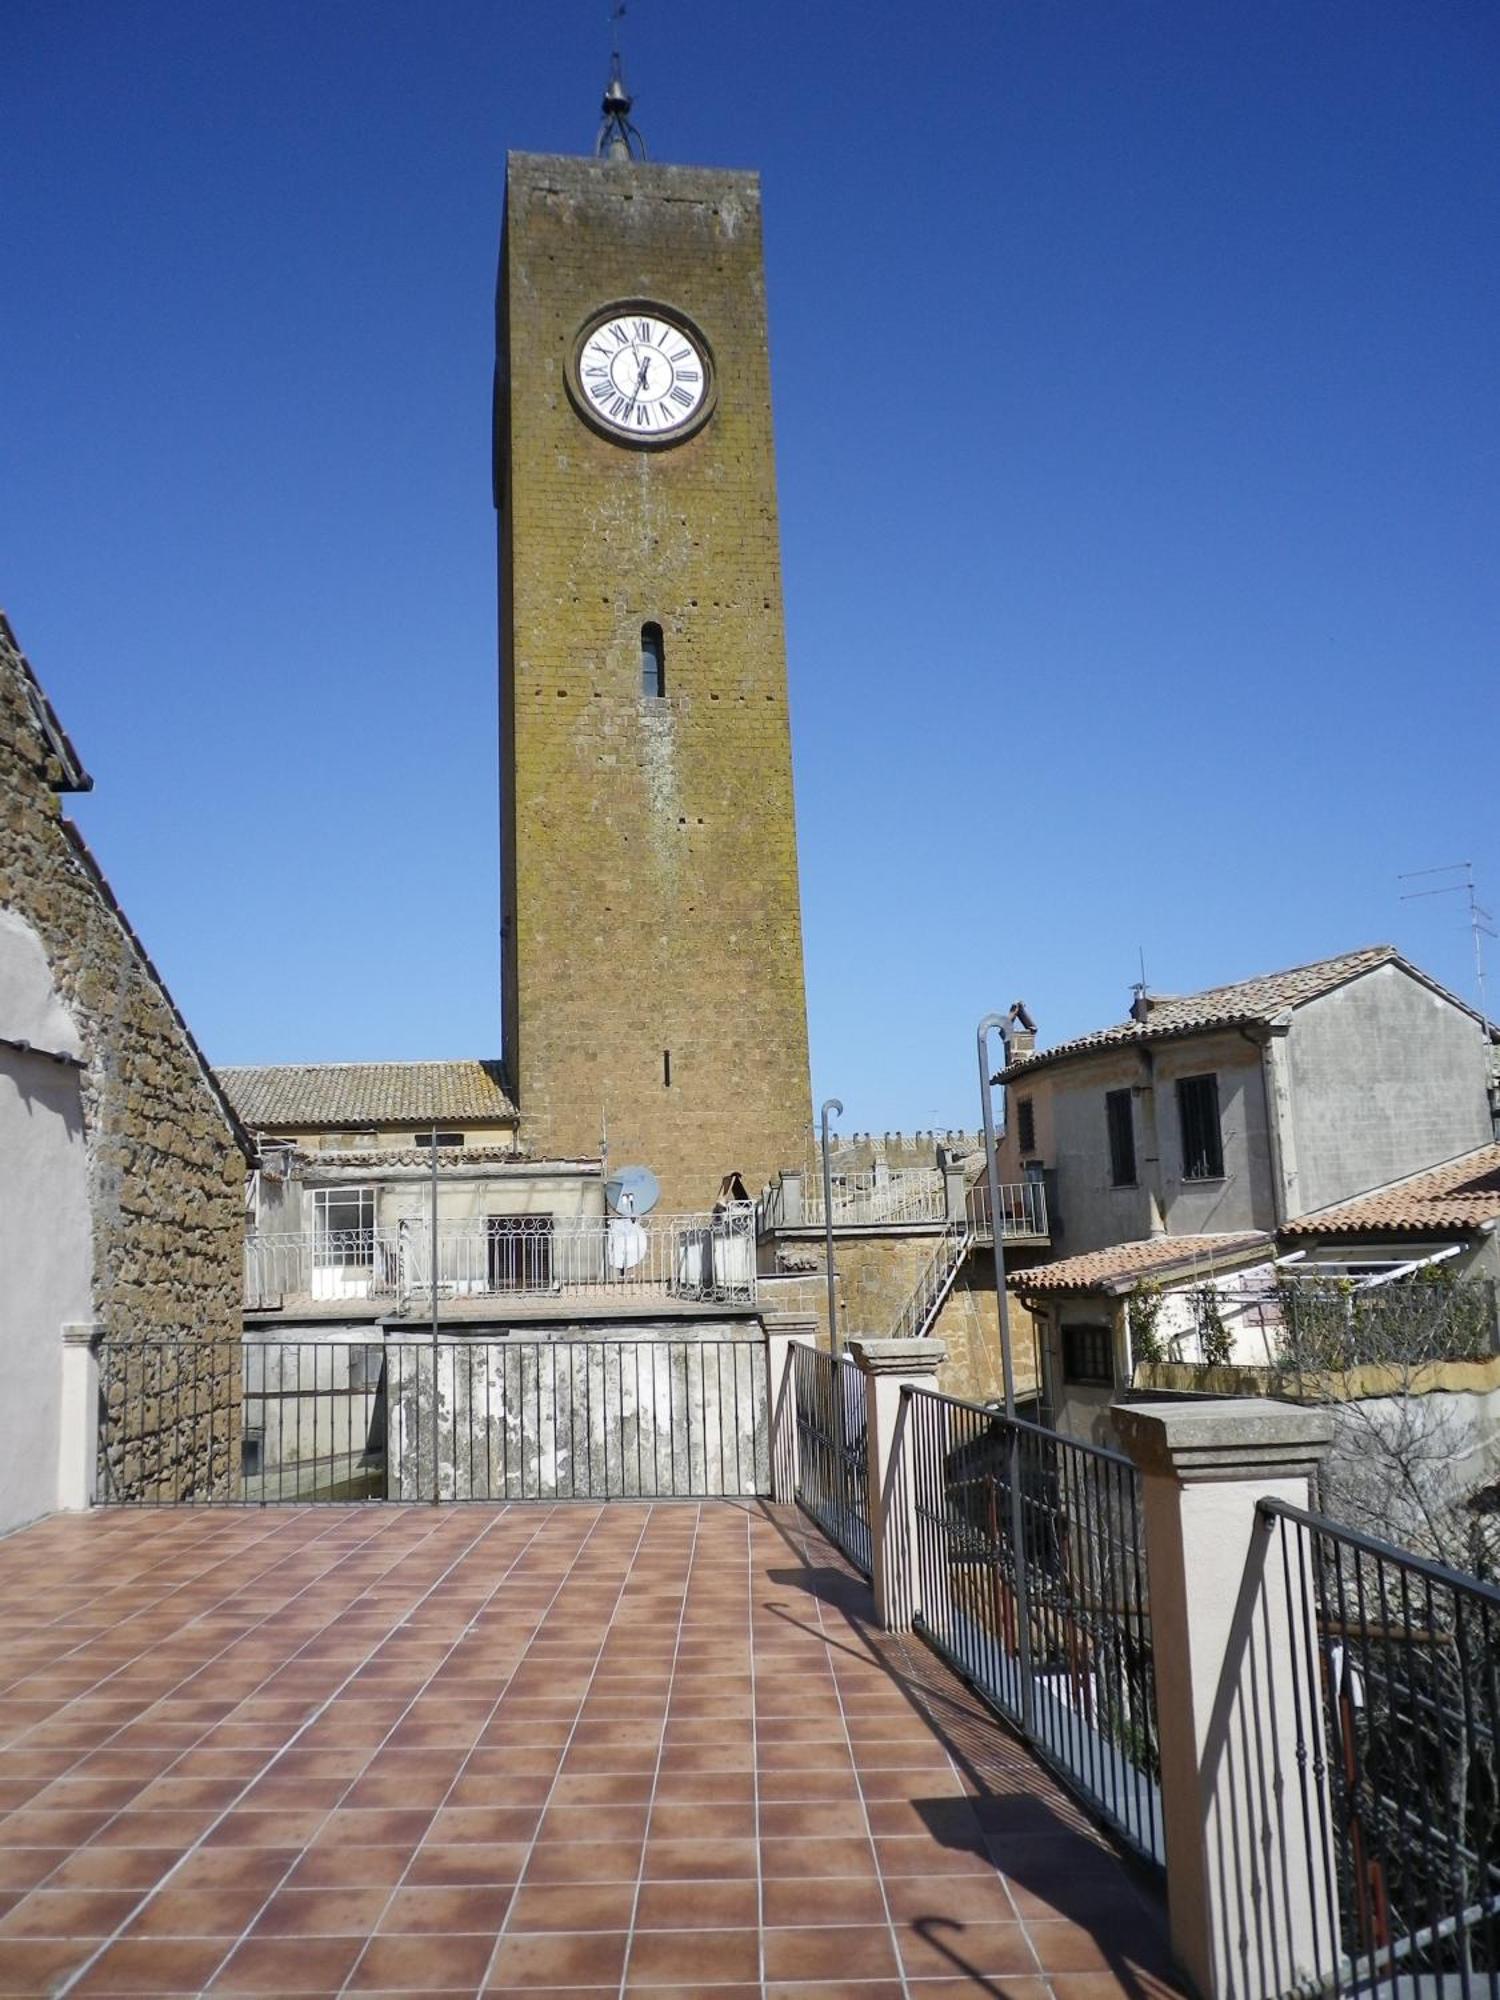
point(122, 1165)
point(652, 948)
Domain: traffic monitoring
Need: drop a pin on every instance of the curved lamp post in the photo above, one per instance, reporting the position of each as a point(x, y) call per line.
point(987, 1026)
point(830, 1104)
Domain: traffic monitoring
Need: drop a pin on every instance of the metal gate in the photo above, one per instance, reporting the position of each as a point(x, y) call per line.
point(411, 1417)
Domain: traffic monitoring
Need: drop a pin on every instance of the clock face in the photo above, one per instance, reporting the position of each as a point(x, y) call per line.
point(642, 375)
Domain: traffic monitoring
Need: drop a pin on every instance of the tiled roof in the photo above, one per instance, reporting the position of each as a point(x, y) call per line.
point(1462, 1194)
point(294, 1096)
point(1258, 999)
point(1118, 1268)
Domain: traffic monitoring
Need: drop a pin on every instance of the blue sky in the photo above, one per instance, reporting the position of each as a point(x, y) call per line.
point(1141, 567)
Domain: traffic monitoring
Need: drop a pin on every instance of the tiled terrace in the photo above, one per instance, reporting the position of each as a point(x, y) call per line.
point(486, 1750)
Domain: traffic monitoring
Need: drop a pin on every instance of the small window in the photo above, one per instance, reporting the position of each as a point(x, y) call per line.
point(430, 1138)
point(1025, 1124)
point(653, 662)
point(1117, 1109)
point(1198, 1115)
point(1088, 1356)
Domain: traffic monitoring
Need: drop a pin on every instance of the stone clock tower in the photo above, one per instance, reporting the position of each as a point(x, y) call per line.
point(652, 944)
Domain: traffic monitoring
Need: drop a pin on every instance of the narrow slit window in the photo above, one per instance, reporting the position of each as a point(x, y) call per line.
point(653, 662)
point(666, 1069)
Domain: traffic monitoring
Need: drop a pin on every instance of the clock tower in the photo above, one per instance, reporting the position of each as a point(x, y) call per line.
point(652, 944)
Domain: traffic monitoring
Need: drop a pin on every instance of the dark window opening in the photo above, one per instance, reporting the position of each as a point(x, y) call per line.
point(1198, 1115)
point(1118, 1111)
point(1025, 1124)
point(252, 1453)
point(666, 1069)
point(653, 662)
point(437, 1138)
point(520, 1253)
point(1088, 1356)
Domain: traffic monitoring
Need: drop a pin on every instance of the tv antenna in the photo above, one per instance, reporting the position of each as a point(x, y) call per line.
point(1481, 922)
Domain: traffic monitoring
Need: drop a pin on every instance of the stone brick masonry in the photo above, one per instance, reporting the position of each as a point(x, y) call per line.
point(165, 1162)
point(650, 865)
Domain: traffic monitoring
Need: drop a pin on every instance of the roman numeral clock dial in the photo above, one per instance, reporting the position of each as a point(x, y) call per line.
point(642, 375)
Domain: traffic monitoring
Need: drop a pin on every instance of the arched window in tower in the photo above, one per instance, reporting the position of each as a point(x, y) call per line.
point(653, 661)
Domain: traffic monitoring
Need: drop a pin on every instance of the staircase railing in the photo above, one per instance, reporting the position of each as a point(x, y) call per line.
point(935, 1282)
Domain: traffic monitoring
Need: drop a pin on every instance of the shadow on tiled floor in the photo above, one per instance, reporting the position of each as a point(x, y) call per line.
point(464, 1751)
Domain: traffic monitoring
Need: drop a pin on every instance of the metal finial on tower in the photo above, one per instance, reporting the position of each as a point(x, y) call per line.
point(618, 139)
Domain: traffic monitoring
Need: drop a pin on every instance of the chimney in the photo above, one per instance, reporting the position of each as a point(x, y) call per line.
point(1020, 1033)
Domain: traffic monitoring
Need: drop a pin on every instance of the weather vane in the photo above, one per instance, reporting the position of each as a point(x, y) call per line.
point(618, 139)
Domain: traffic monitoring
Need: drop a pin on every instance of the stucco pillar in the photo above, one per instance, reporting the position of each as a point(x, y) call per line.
point(793, 1207)
point(783, 1332)
point(78, 1417)
point(1248, 1884)
point(889, 1366)
point(955, 1194)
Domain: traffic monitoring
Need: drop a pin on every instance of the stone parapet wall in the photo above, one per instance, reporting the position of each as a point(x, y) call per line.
point(166, 1168)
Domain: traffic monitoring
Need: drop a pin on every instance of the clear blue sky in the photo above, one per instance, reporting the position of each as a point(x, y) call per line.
point(1141, 569)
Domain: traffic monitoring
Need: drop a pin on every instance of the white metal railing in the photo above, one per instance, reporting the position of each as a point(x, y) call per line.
point(911, 1194)
point(934, 1283)
point(1023, 1209)
point(706, 1257)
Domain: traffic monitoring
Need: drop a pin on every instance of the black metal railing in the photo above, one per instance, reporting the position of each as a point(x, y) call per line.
point(832, 1459)
point(413, 1418)
point(1030, 1576)
point(1397, 1756)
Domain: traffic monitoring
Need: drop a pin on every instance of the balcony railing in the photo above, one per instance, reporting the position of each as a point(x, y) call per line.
point(708, 1258)
point(909, 1196)
point(1023, 1209)
point(913, 1194)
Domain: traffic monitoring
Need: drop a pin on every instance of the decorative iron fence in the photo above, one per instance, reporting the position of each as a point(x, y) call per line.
point(1396, 1763)
point(699, 1257)
point(832, 1461)
point(412, 1418)
point(1031, 1577)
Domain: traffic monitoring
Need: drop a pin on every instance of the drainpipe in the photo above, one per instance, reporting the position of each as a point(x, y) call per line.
point(1156, 1213)
point(1279, 1131)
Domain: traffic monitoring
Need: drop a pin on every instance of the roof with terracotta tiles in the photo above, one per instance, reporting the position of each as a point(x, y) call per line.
point(1260, 999)
point(297, 1096)
point(1459, 1195)
point(1123, 1265)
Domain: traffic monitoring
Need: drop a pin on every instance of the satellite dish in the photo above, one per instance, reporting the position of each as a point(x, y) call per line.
point(632, 1191)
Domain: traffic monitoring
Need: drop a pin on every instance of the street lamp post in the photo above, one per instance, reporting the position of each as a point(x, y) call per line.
point(992, 1171)
point(830, 1104)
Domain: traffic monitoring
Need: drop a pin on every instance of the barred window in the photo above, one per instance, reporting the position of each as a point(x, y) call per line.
point(1121, 1118)
point(1198, 1116)
point(1088, 1356)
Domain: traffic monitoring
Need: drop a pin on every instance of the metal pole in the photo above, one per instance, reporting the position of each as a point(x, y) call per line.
point(831, 1104)
point(432, 1273)
point(997, 1220)
point(1020, 1573)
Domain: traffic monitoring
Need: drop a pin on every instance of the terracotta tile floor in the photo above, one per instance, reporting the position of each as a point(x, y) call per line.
point(464, 1751)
